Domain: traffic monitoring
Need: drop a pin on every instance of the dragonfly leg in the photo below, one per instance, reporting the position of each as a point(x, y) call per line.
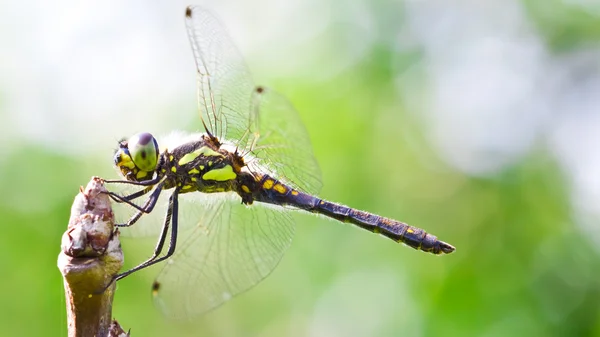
point(131, 182)
point(170, 218)
point(146, 208)
point(127, 198)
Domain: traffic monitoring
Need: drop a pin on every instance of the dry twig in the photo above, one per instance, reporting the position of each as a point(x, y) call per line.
point(90, 256)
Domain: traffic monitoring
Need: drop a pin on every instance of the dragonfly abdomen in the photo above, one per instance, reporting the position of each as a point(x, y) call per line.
point(275, 192)
point(414, 237)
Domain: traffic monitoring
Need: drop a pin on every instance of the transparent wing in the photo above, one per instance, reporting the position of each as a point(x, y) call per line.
point(281, 145)
point(224, 83)
point(228, 252)
point(257, 121)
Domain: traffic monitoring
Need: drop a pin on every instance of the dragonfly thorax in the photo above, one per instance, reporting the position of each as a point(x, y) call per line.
point(199, 165)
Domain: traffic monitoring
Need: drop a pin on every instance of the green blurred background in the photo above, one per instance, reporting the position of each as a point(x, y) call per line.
point(476, 121)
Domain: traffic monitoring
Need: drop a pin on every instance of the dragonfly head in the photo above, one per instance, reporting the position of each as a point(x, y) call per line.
point(137, 157)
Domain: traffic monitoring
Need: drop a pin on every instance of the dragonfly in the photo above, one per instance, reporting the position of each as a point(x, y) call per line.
point(251, 166)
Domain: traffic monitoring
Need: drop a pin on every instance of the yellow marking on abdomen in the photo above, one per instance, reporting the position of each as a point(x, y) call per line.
point(294, 192)
point(245, 189)
point(280, 188)
point(268, 184)
point(223, 174)
point(409, 231)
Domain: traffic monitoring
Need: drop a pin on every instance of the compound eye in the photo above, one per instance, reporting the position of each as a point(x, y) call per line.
point(144, 151)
